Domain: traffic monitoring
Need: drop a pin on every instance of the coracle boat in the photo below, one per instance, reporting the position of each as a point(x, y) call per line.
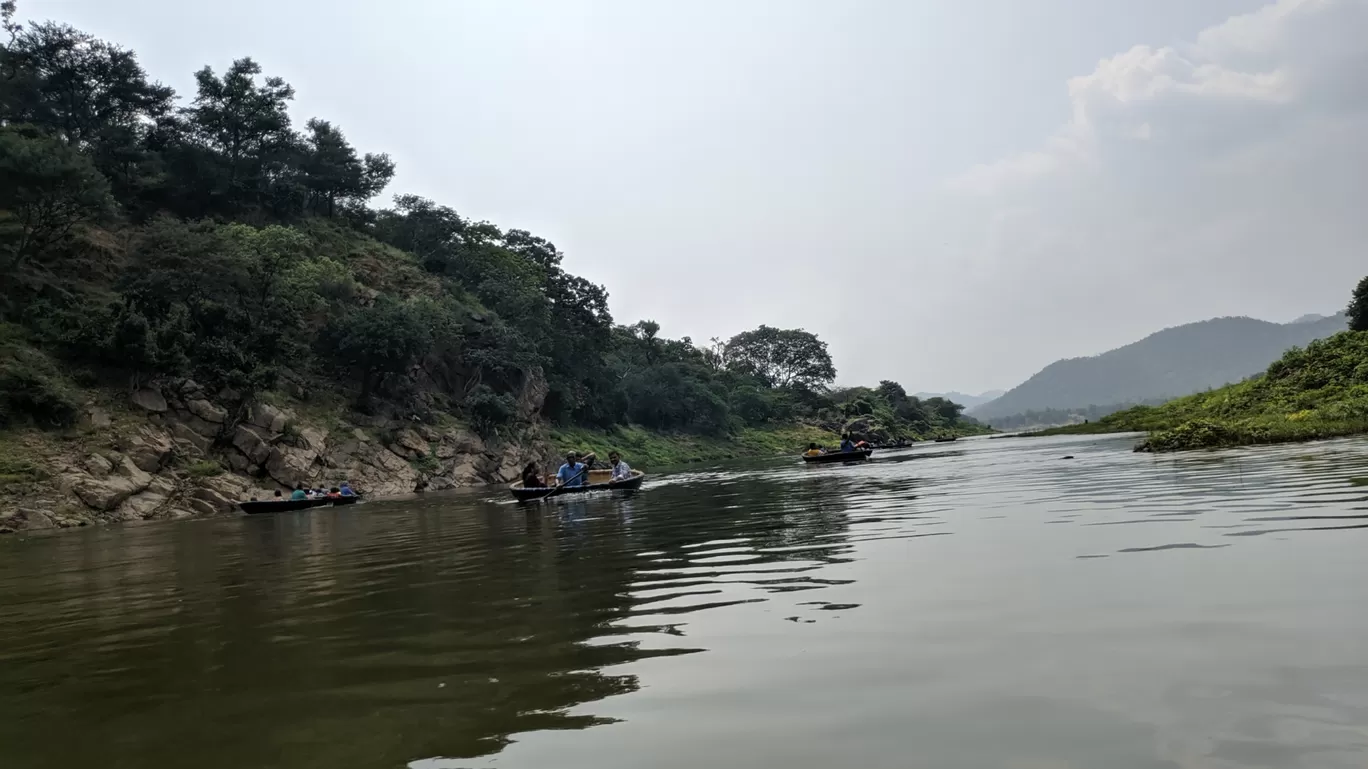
point(286, 505)
point(596, 481)
point(859, 455)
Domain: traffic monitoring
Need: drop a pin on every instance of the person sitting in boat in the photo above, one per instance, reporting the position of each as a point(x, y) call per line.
point(621, 471)
point(531, 479)
point(847, 444)
point(334, 493)
point(813, 451)
point(277, 496)
point(573, 472)
point(346, 490)
point(299, 492)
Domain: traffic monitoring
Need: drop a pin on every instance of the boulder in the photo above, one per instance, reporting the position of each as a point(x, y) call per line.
point(97, 465)
point(150, 450)
point(268, 418)
point(460, 442)
point(148, 399)
point(184, 436)
point(207, 411)
point(105, 494)
point(202, 427)
point(409, 444)
point(253, 443)
point(289, 465)
point(213, 499)
point(464, 472)
point(96, 417)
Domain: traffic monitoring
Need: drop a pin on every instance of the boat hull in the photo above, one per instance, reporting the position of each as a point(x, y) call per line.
point(542, 492)
point(839, 457)
point(288, 505)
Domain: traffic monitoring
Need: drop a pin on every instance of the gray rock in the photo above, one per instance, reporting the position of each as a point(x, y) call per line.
point(184, 434)
point(252, 443)
point(203, 427)
point(148, 399)
point(98, 466)
point(207, 411)
point(105, 494)
point(96, 417)
point(289, 465)
point(214, 499)
point(268, 418)
point(409, 444)
point(150, 450)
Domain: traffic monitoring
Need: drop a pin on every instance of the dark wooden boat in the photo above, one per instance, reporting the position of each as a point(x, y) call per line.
point(286, 505)
point(597, 481)
point(946, 438)
point(858, 455)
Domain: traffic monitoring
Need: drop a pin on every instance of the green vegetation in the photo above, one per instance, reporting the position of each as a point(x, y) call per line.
point(204, 469)
point(1052, 417)
point(146, 236)
point(647, 449)
point(1320, 391)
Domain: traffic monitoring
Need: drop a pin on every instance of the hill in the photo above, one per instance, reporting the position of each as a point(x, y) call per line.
point(964, 399)
point(1320, 391)
point(1170, 363)
point(199, 304)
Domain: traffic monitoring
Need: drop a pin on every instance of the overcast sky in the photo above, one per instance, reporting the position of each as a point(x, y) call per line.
point(951, 193)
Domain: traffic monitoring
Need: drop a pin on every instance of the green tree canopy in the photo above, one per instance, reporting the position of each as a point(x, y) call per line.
point(782, 357)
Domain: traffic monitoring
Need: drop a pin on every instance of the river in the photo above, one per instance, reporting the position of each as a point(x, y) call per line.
point(987, 603)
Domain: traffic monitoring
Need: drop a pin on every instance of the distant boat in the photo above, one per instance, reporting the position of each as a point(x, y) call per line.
point(859, 455)
point(598, 481)
point(257, 507)
point(946, 438)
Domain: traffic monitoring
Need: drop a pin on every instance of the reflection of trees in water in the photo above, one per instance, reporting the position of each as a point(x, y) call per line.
point(379, 636)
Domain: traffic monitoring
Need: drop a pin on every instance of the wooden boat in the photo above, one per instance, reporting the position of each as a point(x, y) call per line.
point(858, 455)
point(946, 438)
point(597, 481)
point(286, 505)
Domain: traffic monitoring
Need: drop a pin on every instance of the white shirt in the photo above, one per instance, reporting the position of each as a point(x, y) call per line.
point(621, 472)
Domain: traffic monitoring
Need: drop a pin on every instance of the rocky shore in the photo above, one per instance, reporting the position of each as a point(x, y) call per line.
point(173, 450)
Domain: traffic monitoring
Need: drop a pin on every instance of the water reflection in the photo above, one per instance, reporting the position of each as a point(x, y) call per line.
point(984, 605)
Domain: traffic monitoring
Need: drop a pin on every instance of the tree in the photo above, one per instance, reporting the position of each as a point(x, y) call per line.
point(244, 128)
point(892, 392)
point(782, 357)
point(47, 190)
point(334, 175)
point(377, 341)
point(1358, 307)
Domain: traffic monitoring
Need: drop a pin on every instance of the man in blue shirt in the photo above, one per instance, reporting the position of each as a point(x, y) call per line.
point(847, 444)
point(572, 473)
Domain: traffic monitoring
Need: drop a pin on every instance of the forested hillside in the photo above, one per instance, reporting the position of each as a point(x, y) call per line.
point(216, 251)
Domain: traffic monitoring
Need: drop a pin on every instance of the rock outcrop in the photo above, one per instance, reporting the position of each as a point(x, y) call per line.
point(197, 454)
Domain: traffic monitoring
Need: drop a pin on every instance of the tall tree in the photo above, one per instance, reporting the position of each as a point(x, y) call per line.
point(47, 190)
point(782, 357)
point(1358, 307)
point(333, 173)
point(244, 128)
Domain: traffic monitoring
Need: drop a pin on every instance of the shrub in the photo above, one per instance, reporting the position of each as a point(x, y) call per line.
point(31, 394)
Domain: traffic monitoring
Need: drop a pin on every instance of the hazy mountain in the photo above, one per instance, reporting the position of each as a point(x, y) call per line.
point(1173, 362)
point(968, 401)
point(1309, 318)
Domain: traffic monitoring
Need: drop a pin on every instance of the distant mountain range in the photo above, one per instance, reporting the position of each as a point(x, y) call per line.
point(1173, 362)
point(964, 399)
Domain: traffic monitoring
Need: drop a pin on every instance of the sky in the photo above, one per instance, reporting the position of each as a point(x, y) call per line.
point(951, 193)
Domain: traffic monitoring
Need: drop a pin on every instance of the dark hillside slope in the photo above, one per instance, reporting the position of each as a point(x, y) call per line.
point(1170, 363)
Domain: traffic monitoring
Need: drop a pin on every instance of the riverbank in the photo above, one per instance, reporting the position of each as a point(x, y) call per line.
point(1311, 393)
point(646, 449)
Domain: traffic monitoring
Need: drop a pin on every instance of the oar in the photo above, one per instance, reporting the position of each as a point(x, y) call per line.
point(590, 461)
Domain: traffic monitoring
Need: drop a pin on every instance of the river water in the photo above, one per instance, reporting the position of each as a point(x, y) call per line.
point(987, 603)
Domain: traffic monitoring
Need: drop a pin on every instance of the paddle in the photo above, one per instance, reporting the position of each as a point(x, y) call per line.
point(588, 462)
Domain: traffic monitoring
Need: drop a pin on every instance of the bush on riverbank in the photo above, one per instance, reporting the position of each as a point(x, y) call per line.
point(1320, 391)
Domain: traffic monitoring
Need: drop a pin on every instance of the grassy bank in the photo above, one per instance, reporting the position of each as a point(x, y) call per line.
point(1320, 391)
point(647, 449)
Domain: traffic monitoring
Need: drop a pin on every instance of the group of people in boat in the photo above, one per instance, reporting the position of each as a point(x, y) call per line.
point(848, 444)
point(575, 471)
point(302, 492)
